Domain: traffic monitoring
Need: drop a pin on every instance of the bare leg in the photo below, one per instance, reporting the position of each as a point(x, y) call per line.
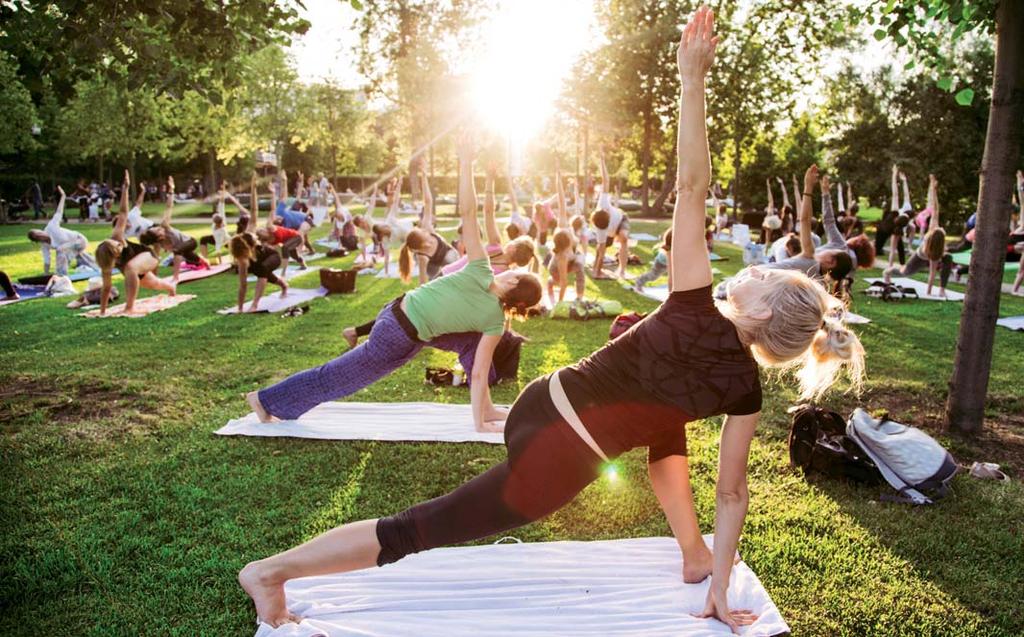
point(346, 548)
point(177, 267)
point(151, 281)
point(623, 255)
point(131, 290)
point(253, 398)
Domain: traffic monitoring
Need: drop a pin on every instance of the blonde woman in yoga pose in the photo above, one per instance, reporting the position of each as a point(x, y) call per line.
point(687, 360)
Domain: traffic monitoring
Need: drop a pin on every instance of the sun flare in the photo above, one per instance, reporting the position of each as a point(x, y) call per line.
point(529, 47)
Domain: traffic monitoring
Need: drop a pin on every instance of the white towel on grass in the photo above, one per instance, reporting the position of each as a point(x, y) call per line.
point(371, 421)
point(274, 303)
point(1012, 323)
point(571, 589)
point(922, 289)
point(294, 270)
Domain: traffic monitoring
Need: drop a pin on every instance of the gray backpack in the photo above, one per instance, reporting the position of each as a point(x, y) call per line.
point(910, 460)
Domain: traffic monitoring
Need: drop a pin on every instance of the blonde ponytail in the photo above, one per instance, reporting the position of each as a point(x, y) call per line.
point(833, 348)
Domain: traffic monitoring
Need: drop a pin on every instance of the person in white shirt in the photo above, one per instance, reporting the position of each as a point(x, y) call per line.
point(610, 224)
point(137, 224)
point(68, 244)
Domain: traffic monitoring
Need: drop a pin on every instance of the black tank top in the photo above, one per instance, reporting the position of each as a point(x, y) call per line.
point(443, 248)
point(129, 252)
point(683, 362)
point(265, 261)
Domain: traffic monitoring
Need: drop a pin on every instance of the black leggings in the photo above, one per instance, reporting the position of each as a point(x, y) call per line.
point(547, 465)
point(918, 264)
point(188, 252)
point(290, 247)
point(5, 283)
point(882, 237)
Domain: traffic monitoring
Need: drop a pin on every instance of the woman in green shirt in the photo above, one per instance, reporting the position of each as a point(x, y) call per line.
point(472, 300)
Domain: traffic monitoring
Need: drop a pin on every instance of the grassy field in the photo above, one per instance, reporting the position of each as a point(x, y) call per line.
point(123, 514)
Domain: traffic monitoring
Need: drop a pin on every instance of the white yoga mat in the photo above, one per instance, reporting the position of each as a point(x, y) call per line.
point(657, 292)
point(922, 289)
point(643, 236)
point(371, 421)
point(1012, 323)
point(293, 271)
point(570, 589)
point(274, 303)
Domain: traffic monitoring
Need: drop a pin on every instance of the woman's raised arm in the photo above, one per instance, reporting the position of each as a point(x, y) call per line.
point(490, 222)
point(467, 200)
point(691, 268)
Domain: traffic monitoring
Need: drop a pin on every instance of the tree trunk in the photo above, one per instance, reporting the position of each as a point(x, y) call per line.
point(585, 186)
point(211, 176)
point(101, 168)
point(736, 177)
point(666, 190)
point(968, 387)
point(645, 161)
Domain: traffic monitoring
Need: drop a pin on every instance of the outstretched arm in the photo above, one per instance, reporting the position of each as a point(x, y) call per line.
point(490, 222)
point(563, 216)
point(894, 201)
point(141, 197)
point(933, 201)
point(467, 201)
point(58, 215)
point(121, 222)
point(512, 193)
point(254, 201)
point(833, 234)
point(785, 195)
point(771, 197)
point(796, 191)
point(696, 53)
point(428, 202)
point(807, 212)
point(906, 194)
point(606, 182)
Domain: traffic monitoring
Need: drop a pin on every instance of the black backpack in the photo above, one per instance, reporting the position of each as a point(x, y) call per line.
point(818, 443)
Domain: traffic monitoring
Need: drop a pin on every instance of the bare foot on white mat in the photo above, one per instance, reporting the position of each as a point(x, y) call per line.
point(350, 337)
point(253, 398)
point(268, 595)
point(492, 427)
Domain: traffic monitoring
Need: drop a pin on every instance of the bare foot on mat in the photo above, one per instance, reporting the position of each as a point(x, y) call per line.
point(350, 337)
point(267, 594)
point(253, 399)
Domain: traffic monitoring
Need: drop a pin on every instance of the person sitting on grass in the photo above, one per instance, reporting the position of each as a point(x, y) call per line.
point(660, 266)
point(690, 359)
point(137, 262)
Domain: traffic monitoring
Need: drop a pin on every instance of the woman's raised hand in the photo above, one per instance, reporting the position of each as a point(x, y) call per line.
point(810, 178)
point(697, 44)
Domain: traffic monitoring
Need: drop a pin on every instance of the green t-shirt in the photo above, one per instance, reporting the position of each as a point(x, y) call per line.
point(459, 302)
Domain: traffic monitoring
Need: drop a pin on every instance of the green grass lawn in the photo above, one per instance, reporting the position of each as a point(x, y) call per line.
point(123, 514)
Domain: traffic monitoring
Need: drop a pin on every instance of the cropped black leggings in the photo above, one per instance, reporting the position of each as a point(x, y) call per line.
point(5, 283)
point(882, 237)
point(547, 465)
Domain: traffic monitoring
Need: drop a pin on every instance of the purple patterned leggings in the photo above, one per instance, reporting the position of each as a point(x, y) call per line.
point(388, 348)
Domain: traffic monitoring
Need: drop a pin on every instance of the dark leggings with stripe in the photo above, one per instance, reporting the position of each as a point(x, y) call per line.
point(547, 465)
point(5, 283)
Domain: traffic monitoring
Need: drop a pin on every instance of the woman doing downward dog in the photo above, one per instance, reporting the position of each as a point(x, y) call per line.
point(251, 255)
point(687, 360)
point(471, 300)
point(431, 250)
point(136, 262)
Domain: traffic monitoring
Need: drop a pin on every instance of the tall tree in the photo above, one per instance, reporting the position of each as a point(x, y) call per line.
point(336, 121)
point(923, 27)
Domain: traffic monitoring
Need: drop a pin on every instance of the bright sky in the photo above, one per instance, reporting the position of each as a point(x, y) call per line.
point(522, 51)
